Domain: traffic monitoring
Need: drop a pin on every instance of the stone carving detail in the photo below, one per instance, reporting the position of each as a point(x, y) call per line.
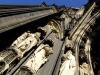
point(68, 43)
point(17, 49)
point(4, 53)
point(79, 13)
point(25, 42)
point(68, 65)
point(6, 58)
point(84, 69)
point(38, 58)
point(3, 66)
point(43, 31)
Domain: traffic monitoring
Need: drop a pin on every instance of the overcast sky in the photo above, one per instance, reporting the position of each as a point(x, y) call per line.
point(68, 3)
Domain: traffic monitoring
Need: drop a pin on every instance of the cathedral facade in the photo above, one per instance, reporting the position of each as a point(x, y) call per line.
point(50, 40)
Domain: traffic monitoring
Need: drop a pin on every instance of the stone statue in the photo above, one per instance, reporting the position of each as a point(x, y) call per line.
point(84, 69)
point(38, 58)
point(20, 39)
point(25, 42)
point(68, 65)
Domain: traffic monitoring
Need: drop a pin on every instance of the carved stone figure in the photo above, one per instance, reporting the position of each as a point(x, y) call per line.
point(20, 39)
point(4, 53)
point(3, 66)
point(69, 65)
point(38, 58)
point(6, 58)
point(84, 69)
point(25, 42)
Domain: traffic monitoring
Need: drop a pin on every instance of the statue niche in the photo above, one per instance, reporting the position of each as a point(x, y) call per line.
point(37, 59)
point(25, 42)
point(68, 66)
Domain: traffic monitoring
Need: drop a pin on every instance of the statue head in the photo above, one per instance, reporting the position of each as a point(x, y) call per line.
point(38, 34)
point(48, 49)
point(50, 42)
point(68, 54)
point(85, 65)
point(28, 33)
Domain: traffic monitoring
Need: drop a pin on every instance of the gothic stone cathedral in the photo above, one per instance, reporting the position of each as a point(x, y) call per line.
point(50, 40)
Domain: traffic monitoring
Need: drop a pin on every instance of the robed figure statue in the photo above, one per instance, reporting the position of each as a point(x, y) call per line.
point(68, 65)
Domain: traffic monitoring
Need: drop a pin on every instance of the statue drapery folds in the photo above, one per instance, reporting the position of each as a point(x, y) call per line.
point(25, 42)
point(37, 59)
point(68, 65)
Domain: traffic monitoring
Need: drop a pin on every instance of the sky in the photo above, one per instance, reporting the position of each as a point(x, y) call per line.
point(67, 3)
